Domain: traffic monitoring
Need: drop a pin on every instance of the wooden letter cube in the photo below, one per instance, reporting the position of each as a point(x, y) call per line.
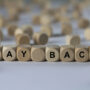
point(52, 53)
point(67, 53)
point(38, 53)
point(81, 53)
point(9, 53)
point(23, 52)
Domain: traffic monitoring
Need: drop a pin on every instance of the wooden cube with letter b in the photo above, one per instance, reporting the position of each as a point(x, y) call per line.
point(52, 53)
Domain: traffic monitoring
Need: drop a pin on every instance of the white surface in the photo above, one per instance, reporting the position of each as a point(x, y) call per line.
point(44, 75)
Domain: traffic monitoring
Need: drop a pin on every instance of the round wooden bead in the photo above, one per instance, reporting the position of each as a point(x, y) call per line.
point(47, 30)
point(9, 53)
point(66, 29)
point(2, 21)
point(38, 53)
point(81, 53)
point(22, 39)
point(24, 52)
point(73, 40)
point(13, 14)
point(40, 38)
point(11, 29)
point(28, 30)
point(52, 53)
point(36, 20)
point(87, 34)
point(45, 20)
point(76, 14)
point(18, 31)
point(64, 19)
point(67, 53)
point(1, 35)
point(83, 23)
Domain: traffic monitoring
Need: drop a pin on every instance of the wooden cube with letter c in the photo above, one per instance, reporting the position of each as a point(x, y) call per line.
point(81, 53)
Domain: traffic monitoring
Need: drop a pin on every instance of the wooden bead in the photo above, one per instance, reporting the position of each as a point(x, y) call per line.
point(28, 30)
point(11, 29)
point(40, 38)
point(52, 53)
point(13, 14)
point(81, 53)
point(67, 53)
point(45, 20)
point(1, 53)
point(38, 53)
point(1, 35)
point(47, 30)
point(9, 53)
point(24, 52)
point(18, 31)
point(2, 21)
point(36, 20)
point(83, 23)
point(57, 17)
point(87, 34)
point(73, 40)
point(64, 19)
point(76, 15)
point(66, 29)
point(22, 39)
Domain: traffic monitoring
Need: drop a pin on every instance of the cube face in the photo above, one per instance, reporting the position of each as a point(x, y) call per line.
point(9, 53)
point(52, 54)
point(23, 53)
point(38, 54)
point(81, 54)
point(67, 54)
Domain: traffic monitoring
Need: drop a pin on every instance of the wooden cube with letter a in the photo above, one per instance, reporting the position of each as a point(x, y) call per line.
point(67, 53)
point(52, 53)
point(9, 53)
